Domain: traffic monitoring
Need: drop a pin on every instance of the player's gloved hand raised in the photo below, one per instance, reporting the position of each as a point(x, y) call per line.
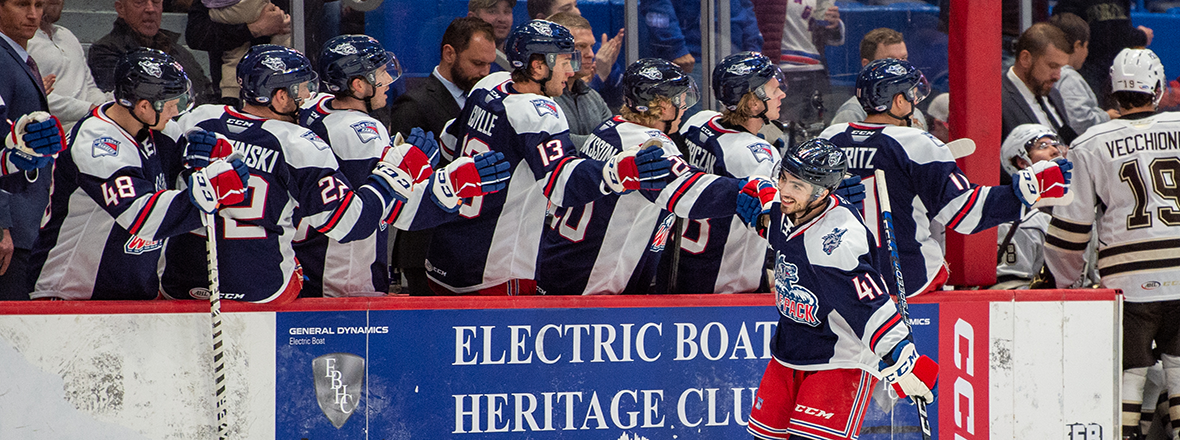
point(643, 168)
point(852, 190)
point(417, 155)
point(755, 199)
point(909, 373)
point(1045, 183)
point(204, 146)
point(222, 182)
point(469, 177)
point(35, 139)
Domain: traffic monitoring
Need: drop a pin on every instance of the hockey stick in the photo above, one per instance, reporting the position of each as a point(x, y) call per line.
point(902, 307)
point(961, 147)
point(215, 313)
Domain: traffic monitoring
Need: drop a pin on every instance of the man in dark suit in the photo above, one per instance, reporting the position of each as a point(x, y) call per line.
point(467, 52)
point(23, 194)
point(1029, 96)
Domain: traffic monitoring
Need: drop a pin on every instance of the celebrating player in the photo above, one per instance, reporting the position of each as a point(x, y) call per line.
point(493, 248)
point(922, 169)
point(837, 327)
point(111, 211)
point(290, 166)
point(1129, 166)
point(721, 254)
point(613, 245)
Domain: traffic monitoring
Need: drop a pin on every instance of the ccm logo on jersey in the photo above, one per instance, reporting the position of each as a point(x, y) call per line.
point(137, 245)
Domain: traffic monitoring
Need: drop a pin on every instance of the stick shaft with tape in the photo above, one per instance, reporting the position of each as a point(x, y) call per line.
point(215, 313)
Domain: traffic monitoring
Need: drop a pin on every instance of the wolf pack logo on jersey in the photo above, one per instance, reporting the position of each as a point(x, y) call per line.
point(793, 301)
point(832, 240)
point(545, 107)
point(152, 68)
point(137, 245)
point(274, 64)
point(104, 146)
point(344, 49)
point(661, 237)
point(761, 152)
point(319, 143)
point(365, 130)
point(338, 379)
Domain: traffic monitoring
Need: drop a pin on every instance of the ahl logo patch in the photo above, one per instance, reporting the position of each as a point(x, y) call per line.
point(366, 131)
point(794, 302)
point(105, 146)
point(545, 107)
point(832, 240)
point(137, 245)
point(661, 237)
point(338, 379)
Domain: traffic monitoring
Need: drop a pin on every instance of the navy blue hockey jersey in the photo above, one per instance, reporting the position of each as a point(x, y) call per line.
point(109, 215)
point(925, 185)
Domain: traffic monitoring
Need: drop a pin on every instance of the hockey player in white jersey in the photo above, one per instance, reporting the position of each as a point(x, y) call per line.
point(838, 329)
point(1127, 167)
point(923, 176)
point(111, 210)
point(493, 248)
point(1021, 252)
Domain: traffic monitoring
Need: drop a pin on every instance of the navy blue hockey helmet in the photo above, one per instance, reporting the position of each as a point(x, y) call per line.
point(817, 161)
point(650, 78)
point(541, 37)
point(349, 56)
point(268, 67)
point(152, 75)
point(881, 80)
point(743, 73)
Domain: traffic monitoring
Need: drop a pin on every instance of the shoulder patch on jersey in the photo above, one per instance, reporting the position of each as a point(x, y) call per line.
point(761, 151)
point(105, 146)
point(793, 301)
point(661, 237)
point(832, 240)
point(366, 130)
point(311, 136)
point(137, 245)
point(545, 107)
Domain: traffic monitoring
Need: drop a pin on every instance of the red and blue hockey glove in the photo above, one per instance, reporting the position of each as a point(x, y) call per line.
point(417, 155)
point(202, 147)
point(909, 373)
point(755, 199)
point(469, 177)
point(644, 168)
point(34, 140)
point(1045, 183)
point(221, 183)
point(852, 190)
point(392, 182)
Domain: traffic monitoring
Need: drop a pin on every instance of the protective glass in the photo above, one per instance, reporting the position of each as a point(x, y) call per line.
point(184, 101)
point(304, 90)
point(393, 68)
point(687, 98)
point(575, 59)
point(919, 91)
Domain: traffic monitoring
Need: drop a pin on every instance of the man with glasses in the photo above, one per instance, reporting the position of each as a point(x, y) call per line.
point(1021, 251)
point(111, 210)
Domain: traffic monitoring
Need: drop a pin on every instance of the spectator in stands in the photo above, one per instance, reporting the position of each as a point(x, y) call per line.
point(238, 12)
point(1111, 19)
point(1081, 106)
point(467, 51)
point(936, 117)
point(498, 13)
point(24, 195)
point(202, 33)
point(1028, 95)
point(138, 25)
point(583, 106)
point(792, 29)
point(879, 43)
point(60, 55)
point(543, 9)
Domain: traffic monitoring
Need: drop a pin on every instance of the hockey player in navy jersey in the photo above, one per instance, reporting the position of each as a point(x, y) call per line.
point(721, 254)
point(1128, 167)
point(614, 244)
point(492, 249)
point(111, 210)
point(289, 166)
point(922, 174)
point(838, 330)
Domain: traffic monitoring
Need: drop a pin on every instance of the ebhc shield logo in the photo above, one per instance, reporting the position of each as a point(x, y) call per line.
point(338, 380)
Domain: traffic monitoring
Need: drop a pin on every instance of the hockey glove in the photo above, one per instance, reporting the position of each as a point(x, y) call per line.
point(644, 168)
point(469, 177)
point(203, 147)
point(417, 155)
point(392, 182)
point(222, 183)
point(34, 140)
point(852, 190)
point(755, 199)
point(909, 373)
point(1045, 183)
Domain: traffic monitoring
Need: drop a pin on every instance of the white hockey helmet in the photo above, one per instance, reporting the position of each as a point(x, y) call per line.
point(1017, 143)
point(1140, 71)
